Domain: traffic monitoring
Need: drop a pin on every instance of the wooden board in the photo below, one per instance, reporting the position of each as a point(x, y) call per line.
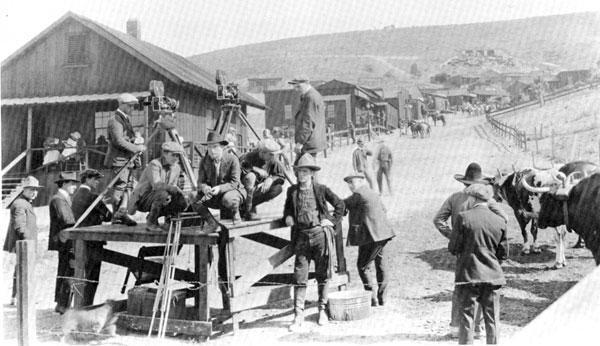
point(187, 327)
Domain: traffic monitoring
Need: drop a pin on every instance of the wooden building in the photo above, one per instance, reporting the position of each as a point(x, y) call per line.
point(571, 77)
point(69, 76)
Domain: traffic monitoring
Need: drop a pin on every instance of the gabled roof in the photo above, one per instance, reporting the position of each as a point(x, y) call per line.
point(175, 67)
point(334, 83)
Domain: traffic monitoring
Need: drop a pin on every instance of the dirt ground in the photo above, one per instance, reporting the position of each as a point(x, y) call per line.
point(418, 307)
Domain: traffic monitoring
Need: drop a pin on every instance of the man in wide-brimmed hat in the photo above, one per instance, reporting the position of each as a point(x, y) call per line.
point(450, 209)
point(61, 217)
point(23, 222)
point(81, 200)
point(312, 237)
point(370, 230)
point(310, 134)
point(157, 192)
point(263, 176)
point(120, 135)
point(219, 185)
point(360, 163)
point(479, 242)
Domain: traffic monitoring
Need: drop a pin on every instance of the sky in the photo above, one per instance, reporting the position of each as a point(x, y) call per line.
point(189, 27)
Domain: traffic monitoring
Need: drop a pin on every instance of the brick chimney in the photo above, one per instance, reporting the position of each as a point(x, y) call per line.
point(134, 28)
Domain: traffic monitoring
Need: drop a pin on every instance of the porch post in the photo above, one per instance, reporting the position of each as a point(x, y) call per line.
point(29, 136)
point(146, 135)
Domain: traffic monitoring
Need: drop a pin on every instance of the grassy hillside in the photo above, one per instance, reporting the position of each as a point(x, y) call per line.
point(568, 41)
point(575, 120)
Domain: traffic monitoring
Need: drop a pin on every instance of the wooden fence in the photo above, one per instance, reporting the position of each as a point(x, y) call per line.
point(518, 137)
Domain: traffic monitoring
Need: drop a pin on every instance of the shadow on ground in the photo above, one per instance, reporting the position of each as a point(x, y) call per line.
point(438, 259)
point(313, 337)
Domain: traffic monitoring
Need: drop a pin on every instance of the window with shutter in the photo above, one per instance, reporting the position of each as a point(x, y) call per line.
point(77, 49)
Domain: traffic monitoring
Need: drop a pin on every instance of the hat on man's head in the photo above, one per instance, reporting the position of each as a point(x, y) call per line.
point(172, 147)
point(354, 175)
point(75, 135)
point(90, 174)
point(31, 182)
point(269, 146)
point(307, 161)
point(359, 141)
point(473, 175)
point(214, 138)
point(64, 177)
point(127, 98)
point(480, 191)
point(299, 79)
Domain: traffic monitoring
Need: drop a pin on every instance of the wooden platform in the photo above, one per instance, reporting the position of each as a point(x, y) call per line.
point(235, 287)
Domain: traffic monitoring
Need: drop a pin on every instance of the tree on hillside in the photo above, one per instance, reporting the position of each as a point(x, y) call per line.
point(414, 70)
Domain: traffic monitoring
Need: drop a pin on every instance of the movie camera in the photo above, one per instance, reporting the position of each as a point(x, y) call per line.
point(160, 102)
point(228, 92)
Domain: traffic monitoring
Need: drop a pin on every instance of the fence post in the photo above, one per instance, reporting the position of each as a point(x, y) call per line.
point(552, 153)
point(26, 328)
point(537, 149)
point(340, 138)
point(541, 129)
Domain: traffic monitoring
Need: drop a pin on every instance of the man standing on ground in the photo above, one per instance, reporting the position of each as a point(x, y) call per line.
point(385, 166)
point(312, 237)
point(263, 176)
point(359, 161)
point(120, 150)
point(82, 199)
point(61, 217)
point(310, 128)
point(22, 224)
point(370, 230)
point(480, 244)
point(157, 192)
point(451, 207)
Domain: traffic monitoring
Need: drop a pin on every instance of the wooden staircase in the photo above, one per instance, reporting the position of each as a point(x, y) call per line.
point(11, 188)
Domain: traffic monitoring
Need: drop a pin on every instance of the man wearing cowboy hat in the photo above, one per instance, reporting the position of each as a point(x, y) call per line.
point(450, 209)
point(23, 223)
point(310, 128)
point(312, 237)
point(219, 185)
point(479, 242)
point(61, 217)
point(263, 176)
point(370, 230)
point(121, 148)
point(157, 191)
point(81, 200)
point(359, 161)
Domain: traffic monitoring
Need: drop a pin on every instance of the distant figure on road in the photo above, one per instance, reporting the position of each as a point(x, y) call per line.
point(384, 157)
point(352, 131)
point(359, 161)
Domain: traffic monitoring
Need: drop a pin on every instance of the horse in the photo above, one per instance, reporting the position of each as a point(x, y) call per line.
point(435, 116)
point(419, 128)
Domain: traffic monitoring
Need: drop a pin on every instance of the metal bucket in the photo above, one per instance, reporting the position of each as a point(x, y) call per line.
point(349, 305)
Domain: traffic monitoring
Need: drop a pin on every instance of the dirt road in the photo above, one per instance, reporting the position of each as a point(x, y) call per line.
point(422, 270)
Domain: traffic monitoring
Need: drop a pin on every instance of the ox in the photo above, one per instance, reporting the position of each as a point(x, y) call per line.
point(419, 128)
point(579, 196)
point(508, 188)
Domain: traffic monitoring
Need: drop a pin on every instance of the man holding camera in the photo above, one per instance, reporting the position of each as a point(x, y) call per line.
point(120, 149)
point(157, 191)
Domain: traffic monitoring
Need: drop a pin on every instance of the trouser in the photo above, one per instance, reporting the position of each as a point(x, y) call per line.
point(384, 169)
point(469, 295)
point(14, 287)
point(167, 200)
point(92, 272)
point(230, 200)
point(367, 254)
point(121, 190)
point(254, 195)
point(311, 245)
point(64, 271)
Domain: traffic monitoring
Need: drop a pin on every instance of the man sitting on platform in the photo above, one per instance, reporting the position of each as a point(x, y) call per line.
point(157, 191)
point(263, 176)
point(219, 185)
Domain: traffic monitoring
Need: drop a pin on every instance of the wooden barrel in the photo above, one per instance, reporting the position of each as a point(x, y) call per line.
point(349, 305)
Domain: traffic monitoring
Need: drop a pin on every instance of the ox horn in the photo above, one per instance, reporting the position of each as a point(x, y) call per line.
point(534, 189)
point(537, 167)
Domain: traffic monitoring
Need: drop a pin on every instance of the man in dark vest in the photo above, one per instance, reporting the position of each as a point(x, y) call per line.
point(370, 230)
point(120, 149)
point(82, 199)
point(61, 217)
point(310, 128)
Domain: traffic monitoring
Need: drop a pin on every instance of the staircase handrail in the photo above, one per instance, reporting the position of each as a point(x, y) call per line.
point(17, 159)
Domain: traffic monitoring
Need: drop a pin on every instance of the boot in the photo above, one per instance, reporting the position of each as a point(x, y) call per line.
point(296, 326)
point(121, 217)
point(152, 219)
point(323, 318)
point(249, 210)
point(210, 223)
point(120, 199)
point(236, 218)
